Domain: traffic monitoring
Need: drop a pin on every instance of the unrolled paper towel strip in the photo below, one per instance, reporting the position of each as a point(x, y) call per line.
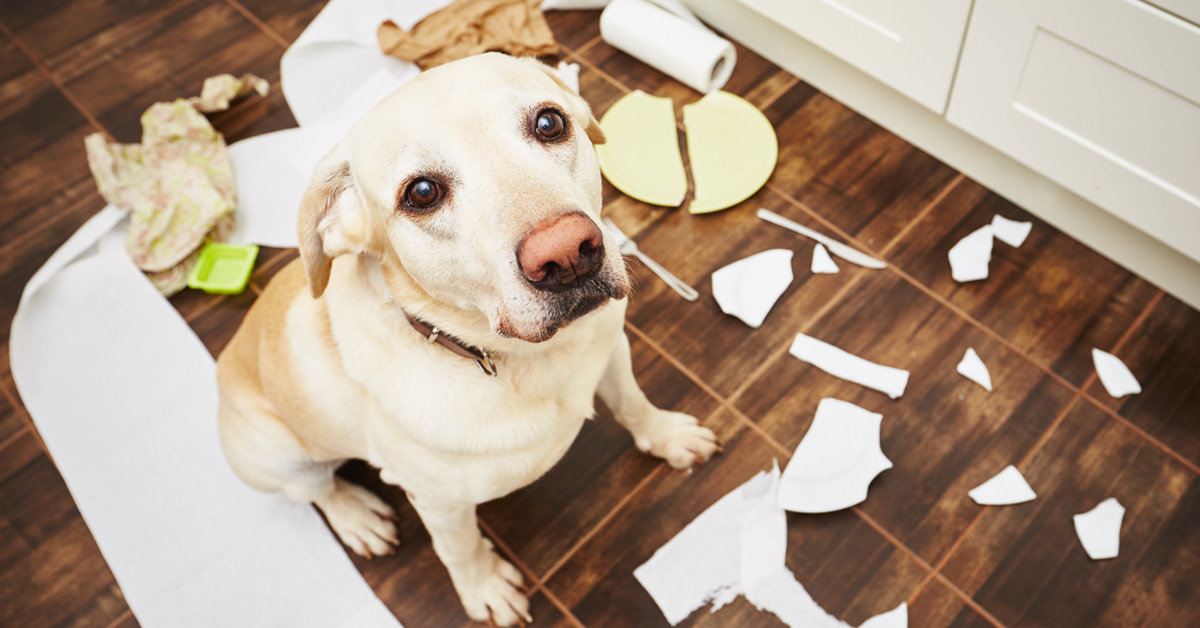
point(677, 46)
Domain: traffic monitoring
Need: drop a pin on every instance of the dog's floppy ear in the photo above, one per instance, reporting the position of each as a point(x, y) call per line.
point(332, 219)
point(578, 106)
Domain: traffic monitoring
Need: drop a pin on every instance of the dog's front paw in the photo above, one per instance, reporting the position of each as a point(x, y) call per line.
point(363, 521)
point(497, 597)
point(677, 438)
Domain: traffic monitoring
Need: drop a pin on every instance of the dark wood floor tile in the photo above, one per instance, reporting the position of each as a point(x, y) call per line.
point(721, 349)
point(36, 502)
point(169, 58)
point(10, 421)
point(254, 115)
point(288, 18)
point(12, 547)
point(1052, 297)
point(543, 521)
point(127, 621)
point(945, 435)
point(216, 325)
point(413, 583)
point(101, 610)
point(849, 170)
point(52, 28)
point(20, 452)
point(270, 261)
point(1025, 564)
point(574, 29)
point(939, 607)
point(849, 569)
point(1164, 355)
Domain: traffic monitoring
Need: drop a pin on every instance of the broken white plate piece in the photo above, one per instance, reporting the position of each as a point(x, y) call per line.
point(836, 461)
point(749, 288)
point(890, 381)
point(1004, 489)
point(969, 258)
point(1115, 376)
point(1010, 232)
point(844, 251)
point(822, 264)
point(895, 618)
point(972, 368)
point(1099, 529)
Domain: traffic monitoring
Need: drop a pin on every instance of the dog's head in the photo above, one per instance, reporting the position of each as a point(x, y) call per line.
point(477, 180)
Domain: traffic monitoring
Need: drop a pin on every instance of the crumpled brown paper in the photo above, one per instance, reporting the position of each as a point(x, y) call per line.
point(469, 27)
point(177, 184)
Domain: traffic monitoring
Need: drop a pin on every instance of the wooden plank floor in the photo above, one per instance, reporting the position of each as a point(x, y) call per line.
point(71, 67)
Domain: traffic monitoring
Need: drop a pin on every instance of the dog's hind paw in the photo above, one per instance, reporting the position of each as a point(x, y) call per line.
point(499, 598)
point(363, 521)
point(678, 438)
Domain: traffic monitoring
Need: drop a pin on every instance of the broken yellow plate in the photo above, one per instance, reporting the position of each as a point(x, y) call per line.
point(732, 148)
point(641, 157)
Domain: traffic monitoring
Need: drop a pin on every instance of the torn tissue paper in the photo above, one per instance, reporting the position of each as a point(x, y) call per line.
point(1115, 376)
point(1004, 489)
point(832, 360)
point(836, 461)
point(177, 184)
point(471, 27)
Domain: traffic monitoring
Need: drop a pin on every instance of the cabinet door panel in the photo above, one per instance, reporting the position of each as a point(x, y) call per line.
point(912, 46)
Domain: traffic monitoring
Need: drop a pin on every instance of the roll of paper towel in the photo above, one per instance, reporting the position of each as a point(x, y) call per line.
point(678, 46)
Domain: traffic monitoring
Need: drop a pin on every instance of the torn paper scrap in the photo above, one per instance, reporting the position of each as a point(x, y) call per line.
point(972, 368)
point(1010, 232)
point(471, 27)
point(969, 258)
point(568, 73)
point(822, 264)
point(1099, 529)
point(1115, 376)
point(836, 461)
point(749, 288)
point(641, 157)
point(832, 360)
point(732, 149)
point(1005, 488)
point(895, 618)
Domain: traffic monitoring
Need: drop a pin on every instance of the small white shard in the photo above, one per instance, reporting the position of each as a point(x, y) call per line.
point(1010, 232)
point(822, 264)
point(972, 368)
point(969, 258)
point(836, 461)
point(1115, 376)
point(1005, 488)
point(1099, 529)
point(895, 618)
point(832, 360)
point(749, 288)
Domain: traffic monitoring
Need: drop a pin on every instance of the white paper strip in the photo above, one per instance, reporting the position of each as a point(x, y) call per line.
point(1115, 376)
point(972, 368)
point(1010, 232)
point(1099, 529)
point(969, 258)
point(832, 360)
point(822, 264)
point(1005, 488)
point(749, 288)
point(836, 461)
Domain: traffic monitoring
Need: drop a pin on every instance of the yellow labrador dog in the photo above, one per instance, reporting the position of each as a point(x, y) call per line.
point(454, 312)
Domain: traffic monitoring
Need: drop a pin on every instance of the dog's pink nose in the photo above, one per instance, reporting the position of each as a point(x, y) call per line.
point(560, 251)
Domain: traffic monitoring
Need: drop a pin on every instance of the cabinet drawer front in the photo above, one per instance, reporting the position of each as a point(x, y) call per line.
point(911, 46)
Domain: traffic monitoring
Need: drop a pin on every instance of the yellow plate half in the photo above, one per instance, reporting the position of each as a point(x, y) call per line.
point(641, 157)
point(732, 149)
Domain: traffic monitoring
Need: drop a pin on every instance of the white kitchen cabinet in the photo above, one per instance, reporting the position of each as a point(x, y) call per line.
point(911, 46)
point(1101, 96)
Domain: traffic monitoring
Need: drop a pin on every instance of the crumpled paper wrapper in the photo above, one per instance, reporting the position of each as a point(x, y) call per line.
point(470, 27)
point(177, 184)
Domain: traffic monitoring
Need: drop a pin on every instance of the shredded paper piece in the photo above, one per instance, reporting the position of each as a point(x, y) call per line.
point(822, 264)
point(832, 360)
point(836, 461)
point(969, 258)
point(972, 368)
point(1115, 376)
point(470, 27)
point(1099, 529)
point(1010, 232)
point(1005, 488)
point(749, 288)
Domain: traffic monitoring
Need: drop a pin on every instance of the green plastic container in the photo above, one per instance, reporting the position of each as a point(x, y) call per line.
point(223, 268)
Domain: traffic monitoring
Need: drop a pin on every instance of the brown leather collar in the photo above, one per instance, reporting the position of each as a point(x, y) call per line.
point(435, 335)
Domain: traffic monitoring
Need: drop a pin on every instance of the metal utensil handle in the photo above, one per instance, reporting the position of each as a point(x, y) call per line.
point(676, 283)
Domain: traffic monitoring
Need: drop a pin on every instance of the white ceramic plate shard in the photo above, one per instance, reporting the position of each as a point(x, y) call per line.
point(822, 264)
point(895, 618)
point(835, 462)
point(749, 288)
point(972, 368)
point(969, 258)
point(1004, 489)
point(1099, 529)
point(1115, 376)
point(832, 360)
point(1010, 232)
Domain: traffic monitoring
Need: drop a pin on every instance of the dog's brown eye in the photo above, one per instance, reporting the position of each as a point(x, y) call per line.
point(550, 124)
point(423, 194)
